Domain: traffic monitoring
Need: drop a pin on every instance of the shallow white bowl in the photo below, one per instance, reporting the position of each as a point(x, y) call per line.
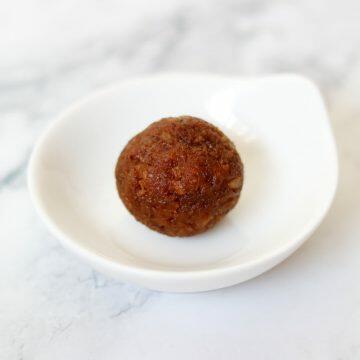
point(280, 127)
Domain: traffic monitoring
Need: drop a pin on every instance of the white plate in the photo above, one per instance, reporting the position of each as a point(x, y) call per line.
point(280, 127)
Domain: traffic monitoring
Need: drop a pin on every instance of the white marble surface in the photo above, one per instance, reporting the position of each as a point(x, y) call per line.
point(52, 306)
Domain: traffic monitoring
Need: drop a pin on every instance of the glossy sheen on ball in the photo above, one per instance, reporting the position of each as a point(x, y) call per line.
point(179, 176)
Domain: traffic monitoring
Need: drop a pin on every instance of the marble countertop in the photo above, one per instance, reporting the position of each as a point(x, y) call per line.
point(53, 306)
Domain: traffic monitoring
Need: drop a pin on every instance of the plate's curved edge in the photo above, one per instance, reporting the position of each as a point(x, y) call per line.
point(144, 272)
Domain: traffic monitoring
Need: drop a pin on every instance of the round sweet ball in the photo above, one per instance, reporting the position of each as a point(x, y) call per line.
point(180, 176)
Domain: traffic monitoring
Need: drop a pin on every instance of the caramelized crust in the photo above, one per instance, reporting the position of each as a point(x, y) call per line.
point(179, 176)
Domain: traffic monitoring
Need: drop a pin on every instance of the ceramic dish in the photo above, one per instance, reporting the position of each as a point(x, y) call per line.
point(281, 129)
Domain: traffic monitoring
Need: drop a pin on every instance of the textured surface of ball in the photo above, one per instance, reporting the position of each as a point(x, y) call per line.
point(179, 176)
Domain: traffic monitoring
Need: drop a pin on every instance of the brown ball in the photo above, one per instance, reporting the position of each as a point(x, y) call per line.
point(179, 176)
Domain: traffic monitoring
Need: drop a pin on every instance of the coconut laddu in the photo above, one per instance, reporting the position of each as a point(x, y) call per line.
point(180, 176)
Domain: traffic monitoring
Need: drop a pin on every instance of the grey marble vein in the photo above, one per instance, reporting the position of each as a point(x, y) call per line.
point(14, 175)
